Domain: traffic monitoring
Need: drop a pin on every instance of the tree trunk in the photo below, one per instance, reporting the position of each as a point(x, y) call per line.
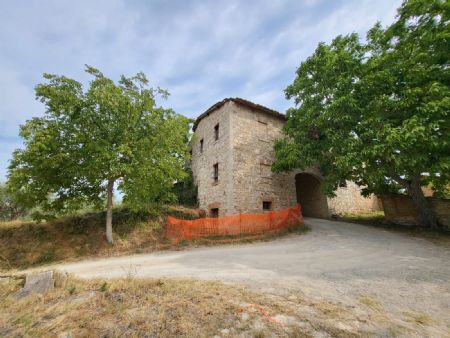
point(109, 207)
point(427, 217)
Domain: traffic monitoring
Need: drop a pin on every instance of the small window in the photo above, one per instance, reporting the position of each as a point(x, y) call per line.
point(190, 152)
point(201, 145)
point(214, 212)
point(216, 172)
point(216, 132)
point(267, 205)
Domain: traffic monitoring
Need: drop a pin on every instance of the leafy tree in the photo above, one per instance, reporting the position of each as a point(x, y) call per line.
point(12, 205)
point(377, 112)
point(90, 140)
point(186, 190)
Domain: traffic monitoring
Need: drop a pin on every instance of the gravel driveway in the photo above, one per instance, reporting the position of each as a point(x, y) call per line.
point(337, 261)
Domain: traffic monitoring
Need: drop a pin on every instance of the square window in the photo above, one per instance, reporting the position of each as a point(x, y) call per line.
point(216, 132)
point(267, 205)
point(214, 212)
point(216, 172)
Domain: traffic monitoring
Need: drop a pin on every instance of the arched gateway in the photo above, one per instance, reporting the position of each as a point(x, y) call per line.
point(312, 200)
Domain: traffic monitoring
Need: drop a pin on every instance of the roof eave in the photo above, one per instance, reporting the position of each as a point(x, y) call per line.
point(238, 100)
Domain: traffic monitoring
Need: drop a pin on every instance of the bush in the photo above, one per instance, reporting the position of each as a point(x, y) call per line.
point(11, 206)
point(186, 191)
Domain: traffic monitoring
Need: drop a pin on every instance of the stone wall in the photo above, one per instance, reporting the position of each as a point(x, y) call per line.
point(309, 194)
point(245, 153)
point(253, 136)
point(349, 200)
point(212, 194)
point(400, 209)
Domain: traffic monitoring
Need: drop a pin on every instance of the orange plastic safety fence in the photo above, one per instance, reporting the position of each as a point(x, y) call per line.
point(234, 225)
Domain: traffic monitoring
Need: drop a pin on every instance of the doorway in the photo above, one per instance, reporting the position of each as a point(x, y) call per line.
point(312, 200)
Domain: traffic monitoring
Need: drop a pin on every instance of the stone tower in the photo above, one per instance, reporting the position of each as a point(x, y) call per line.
point(232, 154)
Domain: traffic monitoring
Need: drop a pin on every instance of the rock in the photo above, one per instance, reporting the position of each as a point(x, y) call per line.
point(40, 282)
point(61, 279)
point(320, 334)
point(245, 316)
point(286, 320)
point(225, 332)
point(258, 325)
point(66, 334)
point(83, 297)
point(344, 327)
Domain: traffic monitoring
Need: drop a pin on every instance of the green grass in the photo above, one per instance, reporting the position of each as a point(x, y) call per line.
point(370, 218)
point(377, 219)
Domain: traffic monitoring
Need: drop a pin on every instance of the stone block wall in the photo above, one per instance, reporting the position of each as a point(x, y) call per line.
point(400, 209)
point(310, 195)
point(245, 153)
point(349, 200)
point(253, 136)
point(212, 194)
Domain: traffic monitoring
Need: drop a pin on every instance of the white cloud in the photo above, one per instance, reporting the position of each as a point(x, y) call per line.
point(17, 102)
point(200, 51)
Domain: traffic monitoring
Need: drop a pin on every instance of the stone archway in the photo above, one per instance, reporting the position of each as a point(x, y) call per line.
point(312, 200)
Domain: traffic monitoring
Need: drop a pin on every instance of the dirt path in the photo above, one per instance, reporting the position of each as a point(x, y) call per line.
point(401, 275)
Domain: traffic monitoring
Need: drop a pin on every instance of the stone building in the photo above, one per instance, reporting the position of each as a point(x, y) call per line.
point(232, 154)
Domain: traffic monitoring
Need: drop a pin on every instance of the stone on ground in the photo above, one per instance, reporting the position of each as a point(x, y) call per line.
point(40, 282)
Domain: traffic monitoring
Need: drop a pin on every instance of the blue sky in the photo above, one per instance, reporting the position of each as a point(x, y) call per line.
point(201, 51)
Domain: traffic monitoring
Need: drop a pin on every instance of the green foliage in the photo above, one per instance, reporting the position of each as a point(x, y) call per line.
point(12, 204)
point(110, 132)
point(125, 221)
point(47, 256)
point(104, 287)
point(186, 191)
point(72, 289)
point(376, 112)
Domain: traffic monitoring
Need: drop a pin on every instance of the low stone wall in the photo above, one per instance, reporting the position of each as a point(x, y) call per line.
point(400, 209)
point(349, 200)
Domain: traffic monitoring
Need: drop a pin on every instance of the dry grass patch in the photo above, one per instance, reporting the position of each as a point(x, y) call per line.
point(132, 307)
point(419, 317)
point(27, 244)
point(71, 238)
point(371, 302)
